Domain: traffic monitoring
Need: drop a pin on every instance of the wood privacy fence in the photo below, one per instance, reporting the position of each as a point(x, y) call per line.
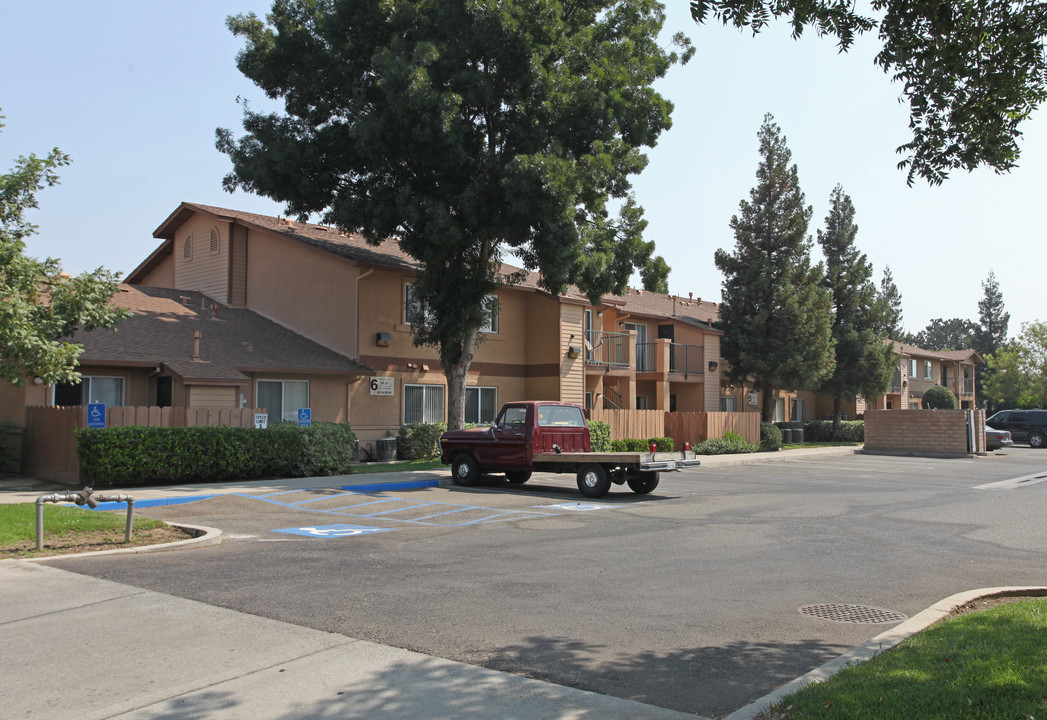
point(692, 427)
point(49, 444)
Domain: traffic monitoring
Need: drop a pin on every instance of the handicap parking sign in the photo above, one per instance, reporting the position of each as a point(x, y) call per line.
point(305, 417)
point(96, 415)
point(329, 532)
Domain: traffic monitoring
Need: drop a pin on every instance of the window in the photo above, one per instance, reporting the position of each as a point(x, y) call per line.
point(215, 246)
point(560, 416)
point(641, 402)
point(797, 409)
point(282, 398)
point(728, 403)
point(423, 404)
point(912, 367)
point(778, 410)
point(187, 247)
point(91, 389)
point(927, 370)
point(513, 418)
point(481, 405)
point(914, 406)
point(492, 315)
point(588, 400)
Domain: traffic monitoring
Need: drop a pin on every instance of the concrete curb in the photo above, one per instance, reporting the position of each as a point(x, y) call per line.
point(884, 641)
point(205, 536)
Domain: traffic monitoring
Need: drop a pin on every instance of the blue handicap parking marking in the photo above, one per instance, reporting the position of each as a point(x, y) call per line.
point(326, 532)
point(579, 506)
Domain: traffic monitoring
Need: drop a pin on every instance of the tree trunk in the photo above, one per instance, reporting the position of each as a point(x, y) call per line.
point(457, 374)
point(837, 414)
point(766, 403)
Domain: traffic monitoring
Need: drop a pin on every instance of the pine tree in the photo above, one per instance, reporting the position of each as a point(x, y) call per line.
point(893, 299)
point(775, 311)
point(991, 335)
point(864, 360)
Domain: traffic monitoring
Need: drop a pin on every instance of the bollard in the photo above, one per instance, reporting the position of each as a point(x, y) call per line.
point(82, 497)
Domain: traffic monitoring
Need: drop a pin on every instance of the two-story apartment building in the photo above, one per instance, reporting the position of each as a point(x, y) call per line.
point(919, 369)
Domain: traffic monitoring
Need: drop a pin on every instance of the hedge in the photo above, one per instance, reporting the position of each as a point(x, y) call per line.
point(822, 430)
point(770, 437)
point(419, 441)
point(664, 444)
point(162, 455)
point(731, 444)
point(600, 436)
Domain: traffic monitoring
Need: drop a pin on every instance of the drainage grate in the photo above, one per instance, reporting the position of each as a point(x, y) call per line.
point(838, 612)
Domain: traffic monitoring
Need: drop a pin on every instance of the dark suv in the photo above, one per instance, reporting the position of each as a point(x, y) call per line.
point(1028, 426)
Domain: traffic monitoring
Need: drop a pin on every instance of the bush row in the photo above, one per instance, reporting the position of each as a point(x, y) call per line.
point(664, 444)
point(419, 441)
point(139, 455)
point(822, 430)
point(730, 444)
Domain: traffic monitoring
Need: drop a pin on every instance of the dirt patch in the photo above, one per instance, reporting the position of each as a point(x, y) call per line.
point(992, 601)
point(95, 540)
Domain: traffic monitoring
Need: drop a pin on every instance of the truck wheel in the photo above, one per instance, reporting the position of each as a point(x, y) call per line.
point(465, 470)
point(593, 481)
point(517, 477)
point(1035, 440)
point(642, 483)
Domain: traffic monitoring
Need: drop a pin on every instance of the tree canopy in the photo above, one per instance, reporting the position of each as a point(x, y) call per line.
point(1018, 370)
point(947, 334)
point(972, 71)
point(40, 306)
point(466, 130)
point(775, 309)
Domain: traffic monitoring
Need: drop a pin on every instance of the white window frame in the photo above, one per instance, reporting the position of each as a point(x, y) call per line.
point(426, 401)
point(728, 403)
point(285, 414)
point(85, 389)
point(927, 370)
point(797, 409)
point(912, 367)
point(482, 390)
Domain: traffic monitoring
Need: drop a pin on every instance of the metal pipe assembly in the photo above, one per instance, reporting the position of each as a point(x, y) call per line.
point(82, 497)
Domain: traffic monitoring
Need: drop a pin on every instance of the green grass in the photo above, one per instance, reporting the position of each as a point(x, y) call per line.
point(400, 466)
point(986, 665)
point(825, 443)
point(18, 521)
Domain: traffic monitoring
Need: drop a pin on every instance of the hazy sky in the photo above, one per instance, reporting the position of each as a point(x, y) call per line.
point(133, 91)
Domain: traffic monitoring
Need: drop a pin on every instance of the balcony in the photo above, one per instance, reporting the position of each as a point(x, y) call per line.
point(686, 359)
point(968, 386)
point(607, 349)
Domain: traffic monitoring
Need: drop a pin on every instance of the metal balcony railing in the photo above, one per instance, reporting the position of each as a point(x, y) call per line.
point(612, 399)
point(686, 359)
point(968, 386)
point(896, 381)
point(646, 357)
point(607, 348)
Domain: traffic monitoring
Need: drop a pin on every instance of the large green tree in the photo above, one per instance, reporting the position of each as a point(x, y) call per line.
point(893, 298)
point(864, 360)
point(41, 307)
point(947, 334)
point(775, 310)
point(972, 71)
point(466, 129)
point(1018, 370)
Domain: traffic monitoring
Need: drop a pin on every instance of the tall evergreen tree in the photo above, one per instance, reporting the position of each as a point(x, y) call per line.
point(468, 130)
point(947, 334)
point(991, 334)
point(864, 360)
point(893, 299)
point(775, 311)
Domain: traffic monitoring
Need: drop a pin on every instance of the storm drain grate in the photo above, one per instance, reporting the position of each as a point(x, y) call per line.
point(839, 612)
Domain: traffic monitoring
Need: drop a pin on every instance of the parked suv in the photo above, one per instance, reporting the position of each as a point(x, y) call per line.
point(1028, 426)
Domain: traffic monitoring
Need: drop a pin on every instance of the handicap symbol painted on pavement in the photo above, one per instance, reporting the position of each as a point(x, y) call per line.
point(579, 506)
point(326, 532)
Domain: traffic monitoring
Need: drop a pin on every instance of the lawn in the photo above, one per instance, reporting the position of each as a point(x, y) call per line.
point(74, 529)
point(988, 664)
point(399, 466)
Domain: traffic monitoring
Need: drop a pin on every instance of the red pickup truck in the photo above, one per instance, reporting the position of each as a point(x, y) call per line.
point(550, 437)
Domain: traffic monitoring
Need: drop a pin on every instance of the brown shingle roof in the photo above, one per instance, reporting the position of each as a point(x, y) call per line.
point(947, 355)
point(233, 341)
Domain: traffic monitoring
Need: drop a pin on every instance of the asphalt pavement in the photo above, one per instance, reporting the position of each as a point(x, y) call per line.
point(82, 647)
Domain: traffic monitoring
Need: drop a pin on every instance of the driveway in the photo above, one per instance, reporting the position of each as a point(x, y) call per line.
point(689, 598)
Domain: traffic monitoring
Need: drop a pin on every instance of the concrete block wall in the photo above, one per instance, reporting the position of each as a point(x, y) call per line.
point(922, 432)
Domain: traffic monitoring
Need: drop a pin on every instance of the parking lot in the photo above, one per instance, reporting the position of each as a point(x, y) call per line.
point(689, 598)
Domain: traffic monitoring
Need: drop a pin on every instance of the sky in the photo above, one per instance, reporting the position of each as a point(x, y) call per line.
point(133, 91)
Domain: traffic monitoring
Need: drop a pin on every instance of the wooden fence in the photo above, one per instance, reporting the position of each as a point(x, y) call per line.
point(49, 443)
point(692, 427)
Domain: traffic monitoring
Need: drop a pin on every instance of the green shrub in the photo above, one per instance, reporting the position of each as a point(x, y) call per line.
point(419, 441)
point(165, 455)
point(938, 397)
point(664, 444)
point(822, 431)
point(730, 444)
point(770, 437)
point(5, 451)
point(600, 436)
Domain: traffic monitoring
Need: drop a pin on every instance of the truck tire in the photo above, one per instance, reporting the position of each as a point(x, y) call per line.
point(642, 483)
point(465, 470)
point(517, 477)
point(1035, 440)
point(593, 481)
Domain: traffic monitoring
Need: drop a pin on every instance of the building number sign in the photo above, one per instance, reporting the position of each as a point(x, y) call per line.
point(382, 386)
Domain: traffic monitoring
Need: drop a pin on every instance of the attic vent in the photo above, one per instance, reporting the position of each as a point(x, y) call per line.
point(187, 247)
point(214, 241)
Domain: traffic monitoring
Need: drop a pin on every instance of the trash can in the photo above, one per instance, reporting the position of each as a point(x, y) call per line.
point(385, 449)
point(798, 435)
point(787, 435)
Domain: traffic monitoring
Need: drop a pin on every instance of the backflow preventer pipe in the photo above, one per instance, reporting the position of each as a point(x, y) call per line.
point(83, 497)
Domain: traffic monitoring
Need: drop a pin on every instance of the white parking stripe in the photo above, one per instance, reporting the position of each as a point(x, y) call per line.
point(1014, 483)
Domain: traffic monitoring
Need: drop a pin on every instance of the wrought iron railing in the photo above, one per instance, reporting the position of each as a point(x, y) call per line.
point(686, 359)
point(896, 381)
point(646, 357)
point(968, 386)
point(612, 399)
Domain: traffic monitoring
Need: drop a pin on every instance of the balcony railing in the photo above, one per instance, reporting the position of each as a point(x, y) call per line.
point(686, 359)
point(968, 386)
point(896, 382)
point(646, 357)
point(607, 348)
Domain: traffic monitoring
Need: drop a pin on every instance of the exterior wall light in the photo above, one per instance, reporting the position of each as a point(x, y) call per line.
point(713, 366)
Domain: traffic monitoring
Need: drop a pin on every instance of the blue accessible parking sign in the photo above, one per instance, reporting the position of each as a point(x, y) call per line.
point(96, 415)
point(305, 417)
point(326, 532)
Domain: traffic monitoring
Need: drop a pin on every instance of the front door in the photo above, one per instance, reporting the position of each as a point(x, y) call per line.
point(641, 346)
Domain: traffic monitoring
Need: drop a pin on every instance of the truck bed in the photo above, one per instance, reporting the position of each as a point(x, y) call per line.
point(643, 461)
